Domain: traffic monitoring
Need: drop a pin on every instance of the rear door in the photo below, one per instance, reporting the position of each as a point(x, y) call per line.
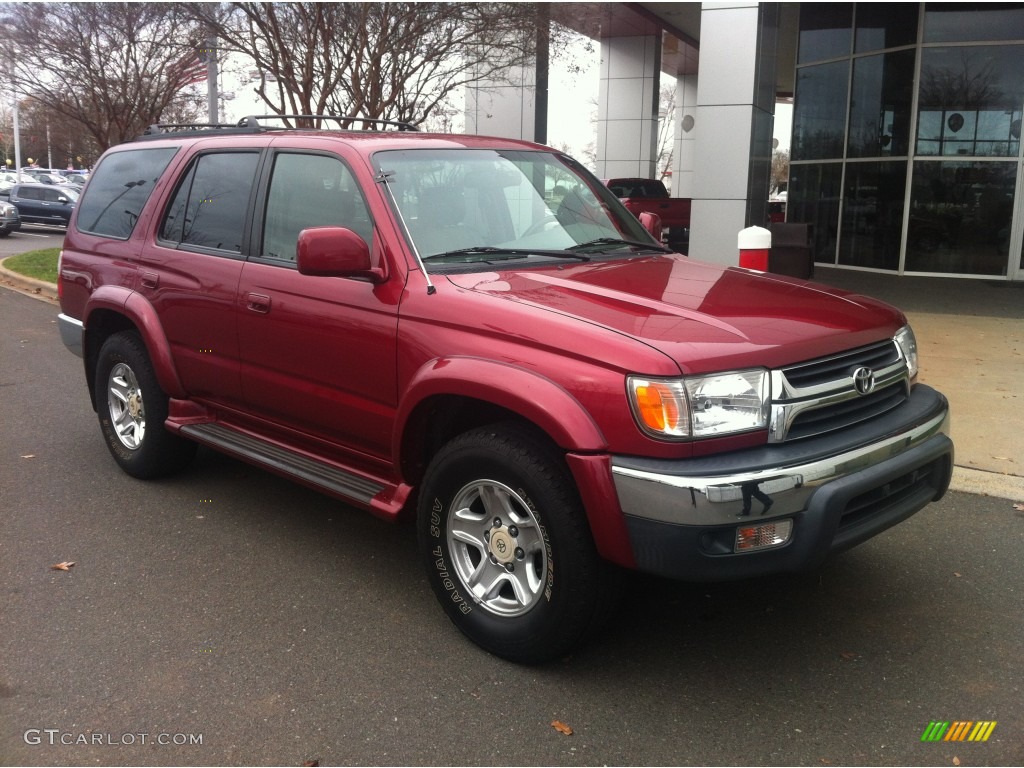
point(190, 273)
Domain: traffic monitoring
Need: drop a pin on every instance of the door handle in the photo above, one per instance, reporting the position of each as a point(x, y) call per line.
point(150, 279)
point(257, 302)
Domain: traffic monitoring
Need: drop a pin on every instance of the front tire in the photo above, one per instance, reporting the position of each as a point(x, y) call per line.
point(507, 546)
point(132, 410)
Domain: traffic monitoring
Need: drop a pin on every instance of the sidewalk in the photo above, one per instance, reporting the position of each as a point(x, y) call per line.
point(971, 338)
point(970, 335)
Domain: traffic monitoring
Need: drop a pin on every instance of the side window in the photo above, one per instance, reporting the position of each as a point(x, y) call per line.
point(310, 191)
point(119, 189)
point(29, 194)
point(210, 205)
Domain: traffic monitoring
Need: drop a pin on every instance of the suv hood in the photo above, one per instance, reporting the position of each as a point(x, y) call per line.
point(704, 316)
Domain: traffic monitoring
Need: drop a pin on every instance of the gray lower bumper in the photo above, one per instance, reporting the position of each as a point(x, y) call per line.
point(71, 333)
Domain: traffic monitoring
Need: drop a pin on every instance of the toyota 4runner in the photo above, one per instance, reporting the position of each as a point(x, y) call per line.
point(475, 332)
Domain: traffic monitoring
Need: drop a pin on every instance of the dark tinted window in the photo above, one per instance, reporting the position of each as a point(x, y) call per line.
point(211, 203)
point(814, 193)
point(873, 214)
point(970, 101)
point(119, 190)
point(819, 113)
point(826, 30)
point(885, 25)
point(28, 193)
point(310, 191)
point(883, 89)
point(967, 22)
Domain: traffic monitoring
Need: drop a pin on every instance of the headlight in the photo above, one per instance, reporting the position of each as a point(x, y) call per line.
point(908, 344)
point(700, 406)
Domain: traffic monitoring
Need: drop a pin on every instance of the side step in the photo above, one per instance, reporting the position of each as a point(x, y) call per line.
point(328, 477)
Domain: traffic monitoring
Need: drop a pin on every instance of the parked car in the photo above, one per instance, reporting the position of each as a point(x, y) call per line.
point(44, 203)
point(76, 178)
point(50, 178)
point(651, 196)
point(415, 325)
point(10, 220)
point(7, 180)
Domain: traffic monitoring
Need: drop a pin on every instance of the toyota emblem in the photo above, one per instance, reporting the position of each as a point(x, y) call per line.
point(864, 380)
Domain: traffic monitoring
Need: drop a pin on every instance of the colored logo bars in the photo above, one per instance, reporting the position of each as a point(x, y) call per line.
point(959, 730)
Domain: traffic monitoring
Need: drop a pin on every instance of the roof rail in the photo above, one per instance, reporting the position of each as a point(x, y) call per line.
point(251, 124)
point(401, 125)
point(245, 125)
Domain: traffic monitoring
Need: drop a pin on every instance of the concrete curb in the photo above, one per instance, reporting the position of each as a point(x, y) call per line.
point(37, 289)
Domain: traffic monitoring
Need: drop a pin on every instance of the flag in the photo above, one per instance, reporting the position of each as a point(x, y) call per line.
point(190, 69)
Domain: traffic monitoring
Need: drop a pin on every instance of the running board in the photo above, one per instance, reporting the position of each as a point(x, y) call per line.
point(286, 462)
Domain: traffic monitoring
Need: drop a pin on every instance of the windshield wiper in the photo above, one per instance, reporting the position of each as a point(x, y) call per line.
point(619, 241)
point(490, 249)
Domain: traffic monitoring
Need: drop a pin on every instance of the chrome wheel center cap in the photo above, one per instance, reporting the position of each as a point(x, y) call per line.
point(135, 406)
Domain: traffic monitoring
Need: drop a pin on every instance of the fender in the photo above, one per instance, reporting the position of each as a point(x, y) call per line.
point(534, 397)
point(141, 313)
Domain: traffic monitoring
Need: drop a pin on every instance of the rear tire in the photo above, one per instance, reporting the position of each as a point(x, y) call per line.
point(498, 511)
point(133, 408)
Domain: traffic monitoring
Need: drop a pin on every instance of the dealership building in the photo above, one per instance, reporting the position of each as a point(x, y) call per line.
point(905, 155)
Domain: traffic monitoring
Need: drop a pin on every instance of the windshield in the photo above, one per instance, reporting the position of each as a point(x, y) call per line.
point(466, 206)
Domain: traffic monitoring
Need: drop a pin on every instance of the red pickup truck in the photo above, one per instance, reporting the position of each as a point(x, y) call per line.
point(415, 325)
point(651, 196)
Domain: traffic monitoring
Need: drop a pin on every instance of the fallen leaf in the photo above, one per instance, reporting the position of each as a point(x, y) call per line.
point(1019, 507)
point(311, 764)
point(957, 574)
point(28, 456)
point(561, 727)
point(956, 761)
point(849, 655)
point(61, 566)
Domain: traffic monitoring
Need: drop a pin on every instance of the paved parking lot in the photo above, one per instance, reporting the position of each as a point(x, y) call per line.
point(227, 616)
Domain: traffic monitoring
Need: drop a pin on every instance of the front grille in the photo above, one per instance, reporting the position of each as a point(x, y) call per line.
point(831, 369)
point(818, 421)
point(819, 396)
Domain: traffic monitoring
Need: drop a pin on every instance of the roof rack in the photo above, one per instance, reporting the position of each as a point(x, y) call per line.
point(251, 124)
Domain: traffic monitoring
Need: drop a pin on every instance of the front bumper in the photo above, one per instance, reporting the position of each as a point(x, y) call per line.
point(838, 490)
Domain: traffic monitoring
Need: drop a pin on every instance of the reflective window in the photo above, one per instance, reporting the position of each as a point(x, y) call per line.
point(819, 111)
point(873, 214)
point(119, 189)
point(956, 22)
point(885, 25)
point(970, 101)
point(210, 206)
point(814, 190)
point(883, 89)
point(960, 217)
point(825, 31)
point(310, 191)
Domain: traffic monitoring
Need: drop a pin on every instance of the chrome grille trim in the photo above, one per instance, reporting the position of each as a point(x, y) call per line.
point(826, 384)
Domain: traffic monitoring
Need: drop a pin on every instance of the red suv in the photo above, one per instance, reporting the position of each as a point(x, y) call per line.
point(474, 332)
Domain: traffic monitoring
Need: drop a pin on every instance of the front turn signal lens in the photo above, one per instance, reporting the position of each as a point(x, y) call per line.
point(660, 407)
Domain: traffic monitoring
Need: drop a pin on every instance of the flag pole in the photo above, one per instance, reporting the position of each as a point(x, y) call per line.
point(211, 79)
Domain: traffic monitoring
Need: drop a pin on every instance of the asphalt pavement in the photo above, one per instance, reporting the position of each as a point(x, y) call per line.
point(229, 617)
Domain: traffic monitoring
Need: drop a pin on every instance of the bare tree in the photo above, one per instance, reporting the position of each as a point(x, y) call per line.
point(111, 68)
point(780, 170)
point(666, 130)
point(398, 61)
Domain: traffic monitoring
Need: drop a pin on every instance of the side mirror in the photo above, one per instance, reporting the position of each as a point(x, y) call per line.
point(335, 252)
point(652, 223)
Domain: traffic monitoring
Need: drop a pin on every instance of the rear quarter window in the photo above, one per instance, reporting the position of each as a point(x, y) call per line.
point(119, 189)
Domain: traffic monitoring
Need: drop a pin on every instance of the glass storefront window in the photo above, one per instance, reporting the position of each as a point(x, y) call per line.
point(883, 89)
point(967, 22)
point(885, 25)
point(825, 31)
point(970, 101)
point(814, 190)
point(873, 214)
point(960, 217)
point(819, 111)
